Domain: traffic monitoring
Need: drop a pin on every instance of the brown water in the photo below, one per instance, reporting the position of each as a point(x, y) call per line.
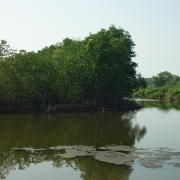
point(155, 126)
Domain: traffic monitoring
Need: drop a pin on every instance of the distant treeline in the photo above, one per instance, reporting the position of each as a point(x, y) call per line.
point(149, 81)
point(163, 86)
point(97, 71)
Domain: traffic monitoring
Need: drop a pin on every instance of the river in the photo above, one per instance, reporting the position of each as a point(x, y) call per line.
point(155, 130)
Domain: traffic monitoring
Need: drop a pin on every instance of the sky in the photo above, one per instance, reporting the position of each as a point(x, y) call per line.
point(154, 26)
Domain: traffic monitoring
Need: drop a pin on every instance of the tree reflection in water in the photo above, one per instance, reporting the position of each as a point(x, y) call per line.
point(44, 131)
point(164, 106)
point(89, 168)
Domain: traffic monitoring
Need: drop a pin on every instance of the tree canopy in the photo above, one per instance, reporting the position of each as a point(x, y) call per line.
point(166, 79)
point(162, 78)
point(97, 70)
point(165, 86)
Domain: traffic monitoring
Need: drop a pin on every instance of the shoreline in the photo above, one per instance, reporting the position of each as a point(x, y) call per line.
point(68, 108)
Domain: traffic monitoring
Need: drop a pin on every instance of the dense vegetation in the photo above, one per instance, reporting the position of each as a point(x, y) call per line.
point(97, 71)
point(165, 86)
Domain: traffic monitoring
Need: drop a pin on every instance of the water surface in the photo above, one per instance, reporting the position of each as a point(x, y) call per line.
point(155, 126)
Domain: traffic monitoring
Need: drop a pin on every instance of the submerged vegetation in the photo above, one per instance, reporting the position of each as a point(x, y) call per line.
point(166, 86)
point(97, 71)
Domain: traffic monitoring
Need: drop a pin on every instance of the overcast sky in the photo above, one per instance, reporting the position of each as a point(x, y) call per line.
point(153, 24)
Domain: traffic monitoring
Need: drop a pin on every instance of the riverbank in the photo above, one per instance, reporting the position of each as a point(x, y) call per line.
point(158, 93)
point(124, 106)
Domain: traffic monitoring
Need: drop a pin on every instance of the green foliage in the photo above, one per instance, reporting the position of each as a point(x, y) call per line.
point(171, 93)
point(151, 92)
point(5, 50)
point(110, 54)
point(162, 79)
point(98, 70)
point(30, 79)
point(174, 82)
point(140, 82)
point(166, 86)
point(174, 93)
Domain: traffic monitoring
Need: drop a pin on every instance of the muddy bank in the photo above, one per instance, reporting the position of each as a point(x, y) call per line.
point(125, 106)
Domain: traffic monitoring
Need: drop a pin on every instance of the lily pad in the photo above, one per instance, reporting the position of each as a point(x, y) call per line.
point(115, 157)
point(71, 153)
point(57, 148)
point(149, 158)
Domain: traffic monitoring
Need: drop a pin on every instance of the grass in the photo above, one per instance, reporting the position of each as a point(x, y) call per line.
point(159, 93)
